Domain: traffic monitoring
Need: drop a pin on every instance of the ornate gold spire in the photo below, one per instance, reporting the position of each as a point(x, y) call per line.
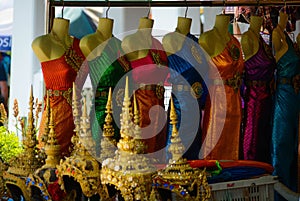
point(46, 128)
point(27, 162)
point(81, 165)
point(52, 148)
point(76, 116)
point(179, 176)
point(3, 113)
point(128, 171)
point(176, 148)
point(107, 141)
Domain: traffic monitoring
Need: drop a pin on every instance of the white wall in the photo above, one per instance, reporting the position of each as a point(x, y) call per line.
point(28, 23)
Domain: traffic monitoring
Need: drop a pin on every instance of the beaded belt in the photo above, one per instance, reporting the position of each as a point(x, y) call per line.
point(257, 83)
point(159, 89)
point(294, 81)
point(235, 82)
point(67, 94)
point(196, 89)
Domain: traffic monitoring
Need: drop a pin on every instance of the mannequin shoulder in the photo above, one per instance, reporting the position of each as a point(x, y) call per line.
point(40, 47)
point(208, 41)
point(248, 46)
point(89, 42)
point(172, 42)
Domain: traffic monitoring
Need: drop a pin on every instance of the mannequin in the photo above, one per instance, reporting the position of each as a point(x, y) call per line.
point(215, 40)
point(259, 70)
point(279, 38)
point(90, 42)
point(286, 108)
point(149, 70)
point(225, 52)
point(173, 41)
point(186, 59)
point(137, 45)
point(250, 39)
point(53, 45)
point(107, 67)
point(61, 60)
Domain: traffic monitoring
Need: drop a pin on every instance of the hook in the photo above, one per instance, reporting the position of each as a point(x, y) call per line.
point(258, 5)
point(186, 10)
point(149, 5)
point(62, 10)
point(224, 7)
point(108, 7)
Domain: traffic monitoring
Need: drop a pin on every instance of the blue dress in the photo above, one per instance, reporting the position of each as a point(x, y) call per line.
point(285, 119)
point(188, 93)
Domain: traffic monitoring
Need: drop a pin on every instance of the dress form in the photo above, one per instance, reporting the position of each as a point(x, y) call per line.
point(278, 37)
point(250, 39)
point(90, 42)
point(214, 41)
point(61, 60)
point(173, 41)
point(53, 45)
point(137, 45)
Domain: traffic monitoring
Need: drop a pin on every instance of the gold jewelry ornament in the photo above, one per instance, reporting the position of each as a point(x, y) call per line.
point(178, 176)
point(129, 171)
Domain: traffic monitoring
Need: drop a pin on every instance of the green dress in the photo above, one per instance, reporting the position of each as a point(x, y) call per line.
point(106, 71)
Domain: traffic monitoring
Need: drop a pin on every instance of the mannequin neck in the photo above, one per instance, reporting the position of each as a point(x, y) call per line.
point(221, 23)
point(105, 27)
point(60, 28)
point(282, 20)
point(255, 24)
point(183, 25)
point(145, 23)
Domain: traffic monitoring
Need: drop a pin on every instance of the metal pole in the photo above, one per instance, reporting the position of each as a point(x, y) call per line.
point(173, 3)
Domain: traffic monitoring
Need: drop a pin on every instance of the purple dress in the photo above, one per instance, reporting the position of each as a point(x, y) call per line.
point(259, 71)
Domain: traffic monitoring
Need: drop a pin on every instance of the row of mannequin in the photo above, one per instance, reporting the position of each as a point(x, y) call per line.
point(270, 120)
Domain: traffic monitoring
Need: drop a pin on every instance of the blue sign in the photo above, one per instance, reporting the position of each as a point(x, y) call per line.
point(5, 43)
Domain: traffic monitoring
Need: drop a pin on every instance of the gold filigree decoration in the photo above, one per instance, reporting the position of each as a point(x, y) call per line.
point(28, 161)
point(179, 176)
point(81, 165)
point(196, 54)
point(129, 171)
point(196, 90)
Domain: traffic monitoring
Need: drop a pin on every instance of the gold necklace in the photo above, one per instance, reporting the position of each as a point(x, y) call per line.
point(70, 55)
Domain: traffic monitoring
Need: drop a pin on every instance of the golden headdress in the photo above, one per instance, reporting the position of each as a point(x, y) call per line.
point(45, 175)
point(179, 176)
point(81, 165)
point(129, 171)
point(28, 161)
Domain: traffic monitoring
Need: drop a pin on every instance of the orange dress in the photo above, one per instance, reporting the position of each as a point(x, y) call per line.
point(59, 75)
point(221, 131)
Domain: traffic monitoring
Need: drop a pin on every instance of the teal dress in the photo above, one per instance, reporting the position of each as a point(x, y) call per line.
point(106, 71)
point(285, 119)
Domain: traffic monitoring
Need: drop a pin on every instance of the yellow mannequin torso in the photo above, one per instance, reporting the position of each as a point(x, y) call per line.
point(278, 37)
point(172, 42)
point(215, 40)
point(93, 44)
point(53, 45)
point(137, 45)
point(250, 39)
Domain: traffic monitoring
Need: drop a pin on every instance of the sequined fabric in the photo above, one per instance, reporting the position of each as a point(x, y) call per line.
point(285, 119)
point(151, 70)
point(259, 71)
point(59, 75)
point(188, 66)
point(229, 64)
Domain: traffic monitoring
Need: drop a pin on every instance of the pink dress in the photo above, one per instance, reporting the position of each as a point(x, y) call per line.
point(149, 74)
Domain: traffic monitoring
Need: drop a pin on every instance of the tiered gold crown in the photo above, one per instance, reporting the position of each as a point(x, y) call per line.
point(129, 171)
point(41, 178)
point(27, 162)
point(179, 176)
point(108, 142)
point(81, 165)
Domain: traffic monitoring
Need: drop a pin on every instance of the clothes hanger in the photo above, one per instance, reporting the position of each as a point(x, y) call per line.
point(186, 10)
point(62, 10)
point(108, 7)
point(149, 6)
